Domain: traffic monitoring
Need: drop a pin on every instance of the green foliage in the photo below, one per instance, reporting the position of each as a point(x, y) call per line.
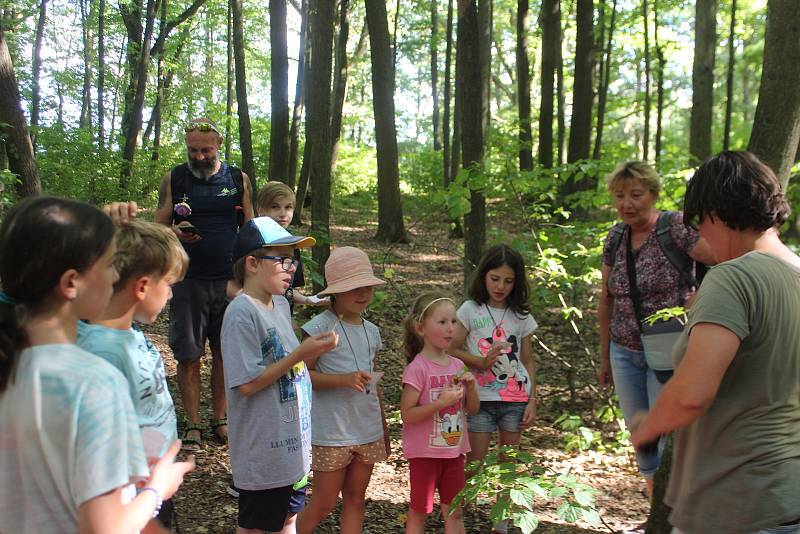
point(356, 170)
point(580, 437)
point(665, 314)
point(515, 481)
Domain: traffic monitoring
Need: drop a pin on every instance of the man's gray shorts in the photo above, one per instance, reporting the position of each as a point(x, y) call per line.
point(195, 315)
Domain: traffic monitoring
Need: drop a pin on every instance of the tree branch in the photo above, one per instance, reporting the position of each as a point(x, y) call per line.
point(171, 25)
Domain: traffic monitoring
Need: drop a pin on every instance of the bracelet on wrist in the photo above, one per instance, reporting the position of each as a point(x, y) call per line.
point(159, 501)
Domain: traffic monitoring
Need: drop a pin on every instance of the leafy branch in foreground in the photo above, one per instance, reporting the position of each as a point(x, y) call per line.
point(516, 483)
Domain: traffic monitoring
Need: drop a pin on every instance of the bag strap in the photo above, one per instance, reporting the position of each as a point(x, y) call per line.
point(615, 237)
point(634, 289)
point(679, 259)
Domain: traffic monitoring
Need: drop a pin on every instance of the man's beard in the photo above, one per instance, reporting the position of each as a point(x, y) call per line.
point(204, 169)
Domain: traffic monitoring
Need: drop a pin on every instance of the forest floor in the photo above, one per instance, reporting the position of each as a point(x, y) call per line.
point(566, 384)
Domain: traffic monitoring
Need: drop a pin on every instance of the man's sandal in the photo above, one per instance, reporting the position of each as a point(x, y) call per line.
point(192, 444)
point(215, 424)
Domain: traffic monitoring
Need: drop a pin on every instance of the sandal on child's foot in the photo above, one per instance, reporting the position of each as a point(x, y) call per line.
point(192, 444)
point(216, 424)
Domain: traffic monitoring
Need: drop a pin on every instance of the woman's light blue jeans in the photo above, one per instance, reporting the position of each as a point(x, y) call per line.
point(637, 389)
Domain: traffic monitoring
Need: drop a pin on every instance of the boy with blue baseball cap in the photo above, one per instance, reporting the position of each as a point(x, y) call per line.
point(266, 380)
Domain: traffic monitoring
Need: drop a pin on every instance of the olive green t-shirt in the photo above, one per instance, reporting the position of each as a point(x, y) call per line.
point(736, 469)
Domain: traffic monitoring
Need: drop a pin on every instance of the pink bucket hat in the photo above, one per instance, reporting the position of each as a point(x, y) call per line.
point(348, 268)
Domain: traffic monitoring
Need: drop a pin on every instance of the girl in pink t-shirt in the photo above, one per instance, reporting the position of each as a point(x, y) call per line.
point(437, 390)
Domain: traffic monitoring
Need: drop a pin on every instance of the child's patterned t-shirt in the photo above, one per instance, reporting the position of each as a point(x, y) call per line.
point(444, 435)
point(507, 380)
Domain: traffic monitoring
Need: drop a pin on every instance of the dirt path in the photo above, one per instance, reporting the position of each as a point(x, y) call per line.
point(429, 261)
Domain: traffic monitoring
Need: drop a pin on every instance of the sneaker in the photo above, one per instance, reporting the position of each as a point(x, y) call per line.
point(232, 491)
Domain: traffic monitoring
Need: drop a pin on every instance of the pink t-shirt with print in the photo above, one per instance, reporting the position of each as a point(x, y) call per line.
point(444, 435)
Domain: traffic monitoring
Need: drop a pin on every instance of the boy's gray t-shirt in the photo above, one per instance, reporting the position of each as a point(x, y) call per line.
point(344, 416)
point(269, 433)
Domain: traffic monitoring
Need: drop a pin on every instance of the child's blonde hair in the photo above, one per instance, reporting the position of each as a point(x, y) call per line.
point(271, 191)
point(423, 306)
point(146, 248)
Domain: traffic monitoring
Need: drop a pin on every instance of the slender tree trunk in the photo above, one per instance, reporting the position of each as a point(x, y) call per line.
point(242, 106)
point(101, 74)
point(776, 127)
point(647, 75)
point(437, 136)
point(662, 63)
point(580, 131)
point(14, 128)
point(162, 94)
point(339, 80)
point(474, 108)
point(447, 90)
point(726, 138)
point(390, 208)
point(159, 88)
point(456, 229)
point(485, 17)
point(134, 124)
point(703, 80)
point(603, 90)
point(305, 169)
point(114, 101)
point(551, 32)
point(85, 120)
point(279, 90)
point(524, 89)
point(36, 68)
point(321, 15)
point(229, 75)
point(297, 110)
point(561, 132)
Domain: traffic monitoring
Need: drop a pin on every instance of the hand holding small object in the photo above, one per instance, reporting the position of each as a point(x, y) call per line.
point(358, 380)
point(450, 395)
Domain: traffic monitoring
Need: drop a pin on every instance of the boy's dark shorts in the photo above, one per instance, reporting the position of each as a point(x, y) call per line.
point(195, 314)
point(268, 509)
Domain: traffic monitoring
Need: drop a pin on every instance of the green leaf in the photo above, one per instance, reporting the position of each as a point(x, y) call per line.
point(592, 517)
point(526, 521)
point(500, 510)
point(522, 498)
point(584, 498)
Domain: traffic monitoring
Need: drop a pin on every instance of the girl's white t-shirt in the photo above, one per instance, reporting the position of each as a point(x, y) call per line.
point(507, 380)
point(68, 433)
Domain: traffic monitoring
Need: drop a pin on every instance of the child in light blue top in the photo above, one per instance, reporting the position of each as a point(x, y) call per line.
point(149, 259)
point(70, 447)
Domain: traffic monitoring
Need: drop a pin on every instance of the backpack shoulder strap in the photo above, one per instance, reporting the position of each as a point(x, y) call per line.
point(615, 237)
point(179, 182)
point(680, 260)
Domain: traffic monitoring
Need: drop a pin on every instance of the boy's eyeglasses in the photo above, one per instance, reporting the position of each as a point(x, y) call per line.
point(200, 127)
point(285, 261)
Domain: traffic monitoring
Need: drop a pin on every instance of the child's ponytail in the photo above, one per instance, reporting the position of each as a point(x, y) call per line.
point(422, 307)
point(12, 337)
point(41, 238)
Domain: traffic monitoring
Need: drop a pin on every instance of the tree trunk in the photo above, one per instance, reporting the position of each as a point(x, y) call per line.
point(447, 90)
point(647, 75)
point(551, 39)
point(297, 110)
point(305, 169)
point(776, 127)
point(85, 120)
point(662, 63)
point(658, 521)
point(101, 74)
point(245, 131)
point(473, 110)
point(321, 15)
point(603, 89)
point(279, 90)
point(580, 131)
point(561, 132)
point(395, 35)
point(14, 128)
point(726, 138)
point(162, 94)
point(485, 60)
point(229, 75)
point(36, 68)
point(159, 88)
point(524, 89)
point(437, 136)
point(339, 80)
point(390, 208)
point(134, 112)
point(705, 42)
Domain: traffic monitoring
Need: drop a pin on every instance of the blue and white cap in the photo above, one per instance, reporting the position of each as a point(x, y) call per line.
point(264, 232)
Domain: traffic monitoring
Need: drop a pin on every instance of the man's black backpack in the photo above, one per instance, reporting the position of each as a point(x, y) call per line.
point(181, 184)
point(692, 272)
